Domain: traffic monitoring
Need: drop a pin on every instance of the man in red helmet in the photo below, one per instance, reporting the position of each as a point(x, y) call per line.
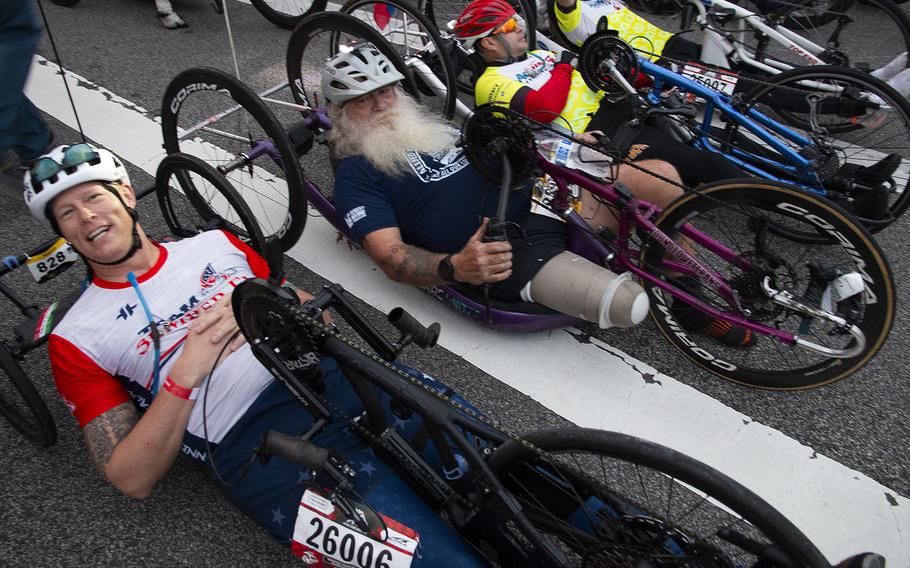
point(545, 85)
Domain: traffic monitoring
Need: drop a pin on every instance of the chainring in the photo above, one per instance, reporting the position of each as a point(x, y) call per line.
point(494, 130)
point(599, 49)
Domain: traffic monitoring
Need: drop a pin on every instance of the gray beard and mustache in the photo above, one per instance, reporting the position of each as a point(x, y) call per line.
point(386, 136)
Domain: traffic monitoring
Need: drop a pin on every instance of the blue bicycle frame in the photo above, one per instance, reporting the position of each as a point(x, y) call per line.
point(753, 121)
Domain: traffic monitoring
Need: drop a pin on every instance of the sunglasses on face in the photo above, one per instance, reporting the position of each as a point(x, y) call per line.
point(511, 25)
point(46, 168)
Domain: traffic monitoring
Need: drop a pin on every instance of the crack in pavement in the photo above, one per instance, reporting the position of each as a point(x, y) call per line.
point(584, 337)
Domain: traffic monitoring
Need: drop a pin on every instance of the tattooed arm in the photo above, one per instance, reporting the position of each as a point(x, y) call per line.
point(476, 263)
point(134, 454)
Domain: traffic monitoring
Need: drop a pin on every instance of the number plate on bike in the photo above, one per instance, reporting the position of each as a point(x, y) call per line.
point(325, 537)
point(52, 261)
point(717, 79)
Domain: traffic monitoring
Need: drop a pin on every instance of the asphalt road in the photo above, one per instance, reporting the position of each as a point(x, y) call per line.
point(58, 512)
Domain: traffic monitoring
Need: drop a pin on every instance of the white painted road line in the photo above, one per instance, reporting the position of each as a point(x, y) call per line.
point(843, 511)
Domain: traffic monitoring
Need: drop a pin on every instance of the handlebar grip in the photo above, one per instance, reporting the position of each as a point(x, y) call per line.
point(295, 449)
point(405, 323)
point(496, 231)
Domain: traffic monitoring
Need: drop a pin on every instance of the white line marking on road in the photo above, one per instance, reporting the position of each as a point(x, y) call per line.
point(843, 511)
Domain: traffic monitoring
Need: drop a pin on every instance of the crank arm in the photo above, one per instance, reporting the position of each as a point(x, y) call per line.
point(786, 299)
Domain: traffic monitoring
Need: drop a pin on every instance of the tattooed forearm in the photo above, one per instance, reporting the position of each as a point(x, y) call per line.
point(104, 433)
point(412, 265)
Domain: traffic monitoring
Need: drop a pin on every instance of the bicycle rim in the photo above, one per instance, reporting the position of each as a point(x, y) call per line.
point(22, 405)
point(209, 114)
point(608, 499)
point(194, 197)
point(743, 216)
point(863, 121)
point(415, 39)
point(287, 13)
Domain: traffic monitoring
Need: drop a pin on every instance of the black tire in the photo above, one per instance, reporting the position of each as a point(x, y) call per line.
point(205, 201)
point(817, 20)
point(272, 184)
point(21, 404)
point(643, 500)
point(864, 119)
point(744, 216)
point(65, 2)
point(288, 13)
point(332, 28)
point(412, 34)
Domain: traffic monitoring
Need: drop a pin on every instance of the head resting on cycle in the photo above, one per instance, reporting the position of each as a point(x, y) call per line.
point(372, 116)
point(493, 29)
point(85, 193)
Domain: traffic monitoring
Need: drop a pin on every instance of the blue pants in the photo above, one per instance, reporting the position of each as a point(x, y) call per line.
point(22, 128)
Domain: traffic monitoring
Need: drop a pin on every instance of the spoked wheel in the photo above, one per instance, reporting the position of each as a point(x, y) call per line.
point(734, 229)
point(287, 13)
point(607, 499)
point(213, 116)
point(865, 34)
point(194, 197)
point(21, 404)
point(418, 44)
point(860, 122)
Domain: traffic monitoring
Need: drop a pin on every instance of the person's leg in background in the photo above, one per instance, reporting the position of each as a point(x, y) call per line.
point(22, 128)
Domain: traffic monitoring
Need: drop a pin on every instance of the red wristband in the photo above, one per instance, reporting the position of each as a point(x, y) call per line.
point(179, 391)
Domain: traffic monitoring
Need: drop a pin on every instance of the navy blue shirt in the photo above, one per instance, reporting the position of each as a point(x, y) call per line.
point(437, 205)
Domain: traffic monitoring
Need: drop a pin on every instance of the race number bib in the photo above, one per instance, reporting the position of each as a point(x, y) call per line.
point(718, 79)
point(325, 537)
point(52, 261)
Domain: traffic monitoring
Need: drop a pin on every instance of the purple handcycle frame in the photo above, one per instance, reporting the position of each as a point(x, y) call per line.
point(529, 318)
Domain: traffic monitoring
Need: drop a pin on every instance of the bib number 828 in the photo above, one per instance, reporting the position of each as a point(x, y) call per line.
point(346, 547)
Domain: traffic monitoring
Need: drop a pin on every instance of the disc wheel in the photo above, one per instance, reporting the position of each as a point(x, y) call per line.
point(607, 499)
point(287, 13)
point(194, 197)
point(21, 404)
point(859, 121)
point(211, 115)
point(744, 250)
point(864, 34)
point(417, 42)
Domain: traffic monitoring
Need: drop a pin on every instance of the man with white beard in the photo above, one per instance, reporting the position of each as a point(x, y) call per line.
point(410, 197)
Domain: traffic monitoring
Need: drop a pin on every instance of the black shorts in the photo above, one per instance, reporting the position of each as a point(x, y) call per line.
point(544, 238)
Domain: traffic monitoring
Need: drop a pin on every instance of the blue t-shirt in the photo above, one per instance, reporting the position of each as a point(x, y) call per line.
point(437, 206)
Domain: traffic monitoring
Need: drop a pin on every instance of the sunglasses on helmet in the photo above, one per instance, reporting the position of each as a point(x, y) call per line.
point(47, 168)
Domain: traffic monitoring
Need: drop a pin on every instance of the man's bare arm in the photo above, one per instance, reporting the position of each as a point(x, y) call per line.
point(106, 431)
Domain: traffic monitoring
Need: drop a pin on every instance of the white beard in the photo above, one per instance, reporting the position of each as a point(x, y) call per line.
point(385, 137)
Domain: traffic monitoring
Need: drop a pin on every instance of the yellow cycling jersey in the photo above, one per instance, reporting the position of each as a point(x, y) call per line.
point(498, 84)
point(638, 32)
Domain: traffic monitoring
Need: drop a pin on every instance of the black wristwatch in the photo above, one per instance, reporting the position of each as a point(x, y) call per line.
point(446, 270)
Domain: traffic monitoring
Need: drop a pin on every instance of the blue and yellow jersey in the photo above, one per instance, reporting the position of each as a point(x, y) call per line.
point(581, 21)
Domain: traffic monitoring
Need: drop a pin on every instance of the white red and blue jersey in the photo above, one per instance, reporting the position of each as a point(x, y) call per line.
point(102, 353)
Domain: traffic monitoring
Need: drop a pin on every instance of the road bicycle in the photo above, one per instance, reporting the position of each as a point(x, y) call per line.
point(568, 497)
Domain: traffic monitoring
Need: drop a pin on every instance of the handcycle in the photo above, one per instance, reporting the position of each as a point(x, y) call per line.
point(786, 357)
point(567, 497)
point(819, 143)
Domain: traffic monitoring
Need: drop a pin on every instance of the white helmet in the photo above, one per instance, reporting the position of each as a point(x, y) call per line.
point(103, 166)
point(360, 70)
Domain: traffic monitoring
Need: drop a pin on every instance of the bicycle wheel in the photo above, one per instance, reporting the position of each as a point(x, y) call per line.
point(287, 13)
point(745, 218)
point(21, 404)
point(860, 122)
point(194, 197)
point(608, 499)
point(417, 42)
point(213, 116)
point(864, 34)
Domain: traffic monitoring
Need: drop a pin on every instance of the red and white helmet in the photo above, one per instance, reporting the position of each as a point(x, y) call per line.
point(480, 19)
point(105, 167)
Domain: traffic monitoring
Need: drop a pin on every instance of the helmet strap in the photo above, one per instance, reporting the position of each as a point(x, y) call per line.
point(509, 57)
